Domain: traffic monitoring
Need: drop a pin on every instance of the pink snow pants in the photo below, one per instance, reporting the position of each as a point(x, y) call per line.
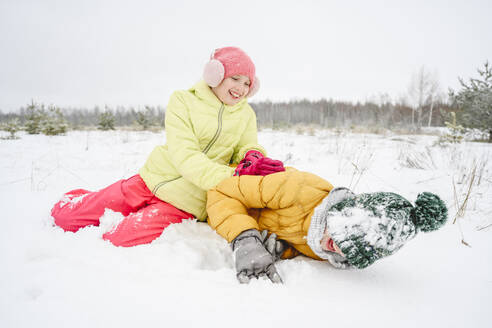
point(146, 216)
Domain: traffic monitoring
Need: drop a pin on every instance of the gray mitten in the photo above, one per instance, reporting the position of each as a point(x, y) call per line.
point(252, 259)
point(337, 260)
point(273, 245)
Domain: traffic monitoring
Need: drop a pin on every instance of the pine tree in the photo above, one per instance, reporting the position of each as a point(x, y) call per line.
point(34, 115)
point(144, 119)
point(53, 122)
point(475, 101)
point(455, 132)
point(12, 127)
point(106, 121)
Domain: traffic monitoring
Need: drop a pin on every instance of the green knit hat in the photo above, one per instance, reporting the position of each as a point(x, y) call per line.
point(370, 226)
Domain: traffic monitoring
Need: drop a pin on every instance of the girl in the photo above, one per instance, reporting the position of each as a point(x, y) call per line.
point(208, 127)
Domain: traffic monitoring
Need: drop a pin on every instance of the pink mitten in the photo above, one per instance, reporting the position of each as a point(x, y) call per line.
point(254, 163)
point(266, 166)
point(252, 156)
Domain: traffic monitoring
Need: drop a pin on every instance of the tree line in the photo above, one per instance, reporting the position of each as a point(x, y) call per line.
point(332, 114)
point(470, 107)
point(323, 113)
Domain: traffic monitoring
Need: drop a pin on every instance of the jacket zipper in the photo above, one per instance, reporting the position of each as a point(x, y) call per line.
point(217, 133)
point(160, 184)
point(210, 144)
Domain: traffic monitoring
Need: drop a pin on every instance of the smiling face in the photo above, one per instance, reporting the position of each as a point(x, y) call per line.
point(232, 89)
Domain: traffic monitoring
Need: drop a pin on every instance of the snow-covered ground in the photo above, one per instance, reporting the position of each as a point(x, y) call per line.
point(185, 278)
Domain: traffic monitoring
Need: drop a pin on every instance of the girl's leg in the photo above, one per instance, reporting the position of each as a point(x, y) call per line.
point(147, 224)
point(80, 208)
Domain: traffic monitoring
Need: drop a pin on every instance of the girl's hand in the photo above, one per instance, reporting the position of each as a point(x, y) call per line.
point(263, 166)
point(254, 163)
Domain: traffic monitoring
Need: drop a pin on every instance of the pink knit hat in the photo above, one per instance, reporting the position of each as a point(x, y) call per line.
point(229, 61)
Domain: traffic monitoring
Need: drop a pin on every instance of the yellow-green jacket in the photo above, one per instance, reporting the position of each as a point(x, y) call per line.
point(203, 136)
point(281, 203)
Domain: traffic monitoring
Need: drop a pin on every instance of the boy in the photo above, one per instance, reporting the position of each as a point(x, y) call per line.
point(310, 217)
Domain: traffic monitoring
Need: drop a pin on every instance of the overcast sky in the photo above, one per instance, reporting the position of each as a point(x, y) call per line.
point(97, 52)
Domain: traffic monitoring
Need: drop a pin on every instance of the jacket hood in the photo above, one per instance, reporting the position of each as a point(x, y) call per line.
point(205, 93)
point(319, 224)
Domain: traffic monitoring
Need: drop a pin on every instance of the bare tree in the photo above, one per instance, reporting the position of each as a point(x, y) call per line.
point(435, 97)
point(423, 93)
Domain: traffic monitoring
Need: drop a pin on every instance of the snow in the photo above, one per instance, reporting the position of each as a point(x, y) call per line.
point(67, 200)
point(361, 220)
point(185, 278)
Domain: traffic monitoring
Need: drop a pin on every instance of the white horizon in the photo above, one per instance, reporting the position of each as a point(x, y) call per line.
point(135, 53)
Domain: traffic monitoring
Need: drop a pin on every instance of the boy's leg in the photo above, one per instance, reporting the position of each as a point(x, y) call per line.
point(80, 208)
point(147, 224)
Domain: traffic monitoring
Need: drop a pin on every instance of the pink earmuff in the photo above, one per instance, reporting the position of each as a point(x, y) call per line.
point(213, 73)
point(255, 88)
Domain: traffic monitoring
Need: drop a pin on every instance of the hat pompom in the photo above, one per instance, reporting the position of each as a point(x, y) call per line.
point(430, 212)
point(213, 73)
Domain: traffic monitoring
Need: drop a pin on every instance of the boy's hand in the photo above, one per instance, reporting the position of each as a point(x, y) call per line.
point(252, 259)
point(273, 245)
point(338, 261)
